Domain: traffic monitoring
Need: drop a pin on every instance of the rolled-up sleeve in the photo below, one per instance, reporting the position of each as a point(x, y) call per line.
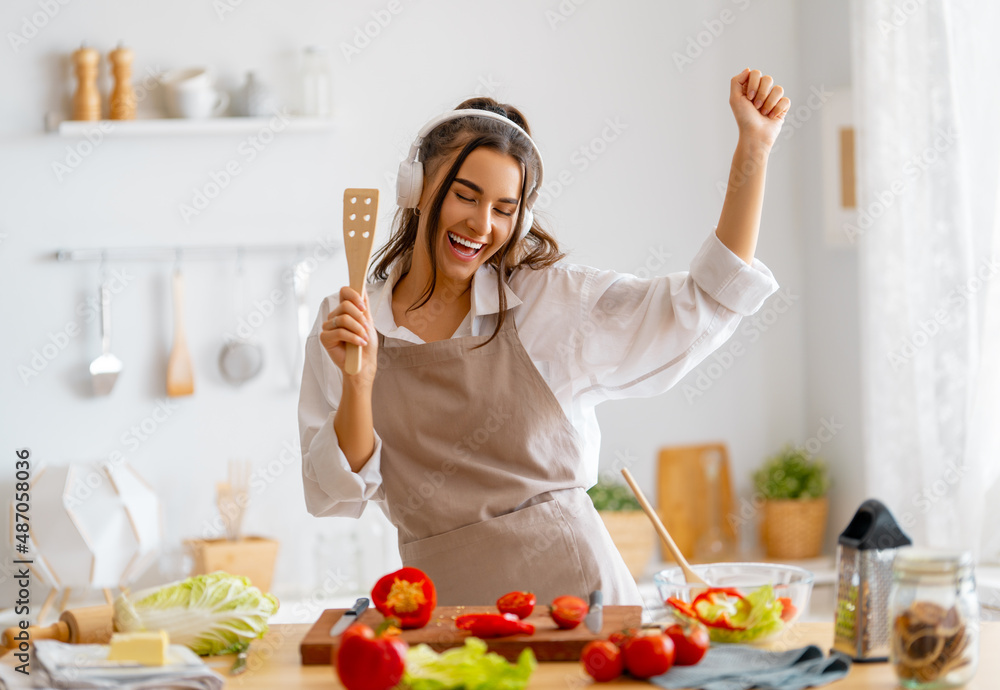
point(648, 333)
point(331, 487)
point(729, 280)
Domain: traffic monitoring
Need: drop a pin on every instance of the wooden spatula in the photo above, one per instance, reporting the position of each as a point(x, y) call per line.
point(689, 575)
point(360, 211)
point(180, 375)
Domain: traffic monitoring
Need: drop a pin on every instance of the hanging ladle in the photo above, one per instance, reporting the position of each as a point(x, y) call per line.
point(241, 359)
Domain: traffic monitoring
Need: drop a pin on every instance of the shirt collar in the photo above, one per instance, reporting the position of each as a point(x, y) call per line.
point(485, 298)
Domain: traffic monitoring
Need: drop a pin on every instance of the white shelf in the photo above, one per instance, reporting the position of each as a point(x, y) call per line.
point(181, 126)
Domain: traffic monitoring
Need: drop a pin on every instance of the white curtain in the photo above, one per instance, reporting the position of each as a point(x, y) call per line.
point(926, 84)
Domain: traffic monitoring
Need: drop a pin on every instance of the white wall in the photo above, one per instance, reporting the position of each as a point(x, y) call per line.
point(653, 189)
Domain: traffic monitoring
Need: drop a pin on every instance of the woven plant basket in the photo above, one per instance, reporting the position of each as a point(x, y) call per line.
point(794, 528)
point(633, 535)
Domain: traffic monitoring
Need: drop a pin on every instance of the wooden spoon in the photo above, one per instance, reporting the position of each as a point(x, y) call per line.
point(690, 576)
point(360, 211)
point(180, 375)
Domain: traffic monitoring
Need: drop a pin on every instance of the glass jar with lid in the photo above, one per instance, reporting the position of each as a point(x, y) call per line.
point(933, 618)
point(316, 83)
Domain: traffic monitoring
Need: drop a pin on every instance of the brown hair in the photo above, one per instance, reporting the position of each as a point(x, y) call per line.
point(537, 249)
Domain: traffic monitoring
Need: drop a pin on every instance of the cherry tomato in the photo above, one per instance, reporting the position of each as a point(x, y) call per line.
point(648, 655)
point(521, 604)
point(602, 660)
point(369, 662)
point(690, 643)
point(568, 611)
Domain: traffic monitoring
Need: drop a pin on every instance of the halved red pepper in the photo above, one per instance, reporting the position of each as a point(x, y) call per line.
point(717, 596)
point(493, 624)
point(408, 594)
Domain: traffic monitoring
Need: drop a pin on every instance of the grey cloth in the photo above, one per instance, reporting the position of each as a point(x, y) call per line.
point(738, 667)
point(47, 673)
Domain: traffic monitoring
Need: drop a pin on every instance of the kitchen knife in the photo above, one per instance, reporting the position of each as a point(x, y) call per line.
point(349, 617)
point(240, 665)
point(595, 615)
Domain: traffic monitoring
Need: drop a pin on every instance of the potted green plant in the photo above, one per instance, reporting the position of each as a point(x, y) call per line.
point(626, 523)
point(793, 486)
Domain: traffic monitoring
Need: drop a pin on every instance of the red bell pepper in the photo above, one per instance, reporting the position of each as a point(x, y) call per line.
point(407, 594)
point(493, 624)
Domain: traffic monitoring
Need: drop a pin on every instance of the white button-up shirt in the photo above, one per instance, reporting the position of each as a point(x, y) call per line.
point(594, 335)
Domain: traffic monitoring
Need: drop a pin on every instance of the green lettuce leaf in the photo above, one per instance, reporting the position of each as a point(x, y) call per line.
point(762, 618)
point(470, 667)
point(216, 613)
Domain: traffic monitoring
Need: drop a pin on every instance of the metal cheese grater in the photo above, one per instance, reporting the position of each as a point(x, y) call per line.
point(865, 552)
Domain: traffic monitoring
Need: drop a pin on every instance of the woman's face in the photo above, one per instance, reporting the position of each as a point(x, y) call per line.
point(478, 210)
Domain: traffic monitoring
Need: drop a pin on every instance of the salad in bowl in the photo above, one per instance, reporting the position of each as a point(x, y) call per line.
point(746, 602)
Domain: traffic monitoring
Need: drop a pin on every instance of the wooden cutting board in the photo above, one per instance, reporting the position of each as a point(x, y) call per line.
point(549, 643)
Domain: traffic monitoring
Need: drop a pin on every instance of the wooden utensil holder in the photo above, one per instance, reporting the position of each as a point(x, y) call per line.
point(253, 557)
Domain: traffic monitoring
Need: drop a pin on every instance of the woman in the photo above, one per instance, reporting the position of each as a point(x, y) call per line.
point(471, 422)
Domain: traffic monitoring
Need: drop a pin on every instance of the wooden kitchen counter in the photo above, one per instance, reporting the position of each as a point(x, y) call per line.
point(273, 664)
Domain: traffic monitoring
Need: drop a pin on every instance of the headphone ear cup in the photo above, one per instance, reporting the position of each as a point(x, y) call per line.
point(409, 183)
point(529, 218)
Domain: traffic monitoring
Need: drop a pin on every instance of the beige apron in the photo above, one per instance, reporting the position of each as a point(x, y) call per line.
point(479, 469)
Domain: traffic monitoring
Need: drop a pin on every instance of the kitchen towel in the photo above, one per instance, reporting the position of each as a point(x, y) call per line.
point(52, 668)
point(738, 667)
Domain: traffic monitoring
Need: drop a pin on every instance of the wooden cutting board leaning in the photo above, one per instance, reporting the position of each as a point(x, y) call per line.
point(548, 643)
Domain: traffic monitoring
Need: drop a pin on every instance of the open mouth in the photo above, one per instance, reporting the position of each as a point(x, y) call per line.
point(466, 249)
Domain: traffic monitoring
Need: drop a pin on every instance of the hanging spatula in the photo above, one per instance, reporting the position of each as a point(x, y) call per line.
point(360, 211)
point(105, 369)
point(180, 376)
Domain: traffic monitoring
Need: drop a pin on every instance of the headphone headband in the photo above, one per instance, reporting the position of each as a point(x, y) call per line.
point(409, 182)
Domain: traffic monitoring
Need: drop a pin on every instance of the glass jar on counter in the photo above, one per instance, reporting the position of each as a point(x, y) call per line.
point(933, 618)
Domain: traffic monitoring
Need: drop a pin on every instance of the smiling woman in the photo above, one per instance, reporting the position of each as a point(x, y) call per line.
point(472, 420)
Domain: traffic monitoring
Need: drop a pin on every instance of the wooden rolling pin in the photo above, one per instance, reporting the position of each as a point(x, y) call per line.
point(88, 625)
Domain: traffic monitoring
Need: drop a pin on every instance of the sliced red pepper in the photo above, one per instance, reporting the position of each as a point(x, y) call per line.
point(493, 624)
point(408, 594)
point(711, 596)
point(682, 606)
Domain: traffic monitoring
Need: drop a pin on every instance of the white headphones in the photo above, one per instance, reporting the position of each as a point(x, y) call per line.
point(410, 178)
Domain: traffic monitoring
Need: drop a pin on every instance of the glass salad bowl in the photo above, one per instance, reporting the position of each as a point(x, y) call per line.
point(747, 603)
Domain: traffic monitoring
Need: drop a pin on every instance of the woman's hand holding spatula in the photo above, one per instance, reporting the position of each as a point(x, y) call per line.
point(350, 323)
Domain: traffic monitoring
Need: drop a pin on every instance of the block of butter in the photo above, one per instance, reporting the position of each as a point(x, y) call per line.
point(147, 648)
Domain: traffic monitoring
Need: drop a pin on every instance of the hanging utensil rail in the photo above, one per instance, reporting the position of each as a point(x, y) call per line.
point(187, 252)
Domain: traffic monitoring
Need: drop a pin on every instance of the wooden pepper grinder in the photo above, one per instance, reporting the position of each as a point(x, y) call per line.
point(123, 96)
point(86, 100)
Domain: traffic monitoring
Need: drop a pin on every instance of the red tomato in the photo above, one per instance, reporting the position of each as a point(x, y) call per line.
point(568, 611)
point(620, 637)
point(521, 604)
point(690, 643)
point(602, 660)
point(788, 611)
point(648, 655)
point(367, 662)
